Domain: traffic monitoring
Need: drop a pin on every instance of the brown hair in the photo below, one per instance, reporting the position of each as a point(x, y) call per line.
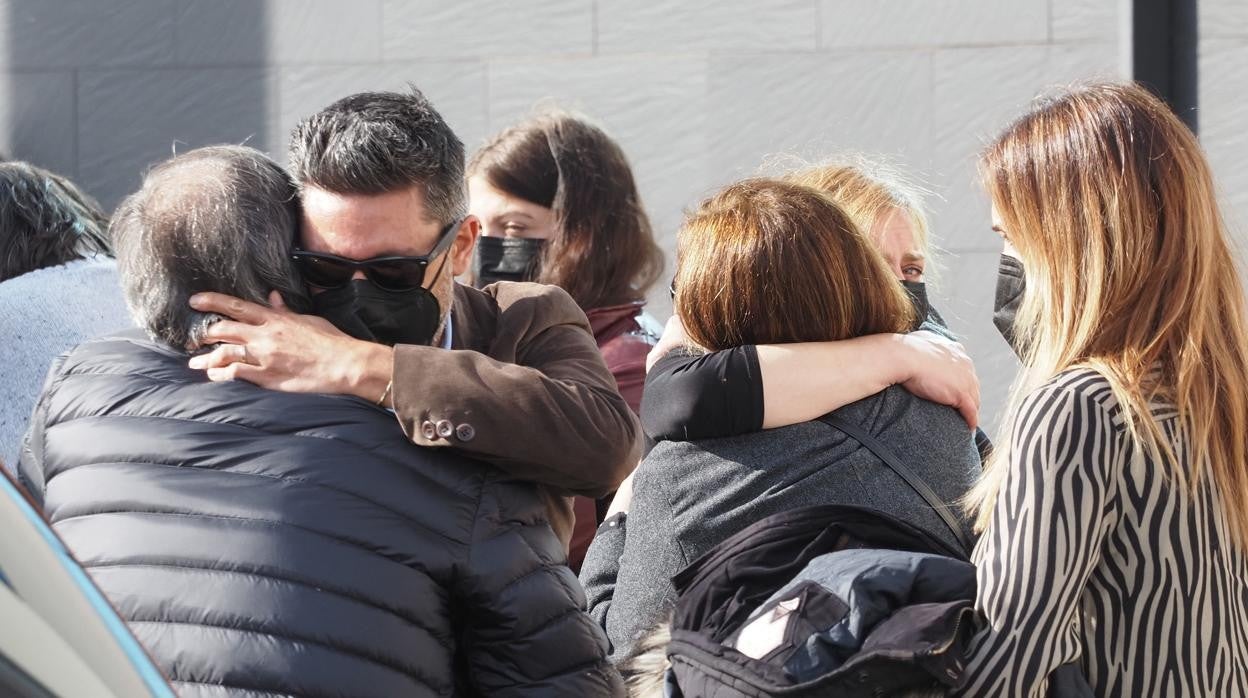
point(1110, 202)
point(603, 252)
point(771, 262)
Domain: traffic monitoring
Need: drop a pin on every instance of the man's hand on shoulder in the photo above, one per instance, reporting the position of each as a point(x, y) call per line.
point(279, 349)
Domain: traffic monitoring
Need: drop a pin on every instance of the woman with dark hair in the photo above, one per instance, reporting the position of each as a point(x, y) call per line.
point(58, 285)
point(558, 205)
point(767, 262)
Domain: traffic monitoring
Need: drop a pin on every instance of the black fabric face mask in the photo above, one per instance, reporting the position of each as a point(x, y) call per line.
point(505, 259)
point(366, 312)
point(1011, 282)
point(917, 290)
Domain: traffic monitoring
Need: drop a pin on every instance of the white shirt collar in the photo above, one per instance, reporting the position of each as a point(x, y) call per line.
point(449, 332)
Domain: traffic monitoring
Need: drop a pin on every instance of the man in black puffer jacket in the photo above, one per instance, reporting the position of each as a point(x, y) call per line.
point(263, 543)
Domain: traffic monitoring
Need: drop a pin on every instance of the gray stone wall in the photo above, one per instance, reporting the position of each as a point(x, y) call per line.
point(1224, 103)
point(698, 91)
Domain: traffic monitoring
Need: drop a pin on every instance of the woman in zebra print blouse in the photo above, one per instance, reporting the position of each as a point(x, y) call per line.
point(1115, 511)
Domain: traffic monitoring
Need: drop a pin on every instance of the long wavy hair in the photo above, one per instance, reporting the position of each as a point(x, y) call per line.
point(1110, 202)
point(603, 252)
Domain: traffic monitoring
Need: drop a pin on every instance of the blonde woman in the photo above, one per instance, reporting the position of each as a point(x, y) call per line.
point(1115, 510)
point(747, 388)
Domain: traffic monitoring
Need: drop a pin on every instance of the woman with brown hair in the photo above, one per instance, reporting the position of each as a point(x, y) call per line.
point(558, 205)
point(694, 395)
point(767, 262)
point(1115, 509)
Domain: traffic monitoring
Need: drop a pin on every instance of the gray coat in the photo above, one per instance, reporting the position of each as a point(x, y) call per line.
point(690, 496)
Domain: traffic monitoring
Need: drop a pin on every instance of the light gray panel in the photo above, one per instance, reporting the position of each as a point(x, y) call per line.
point(1086, 19)
point(1223, 18)
point(47, 34)
point(977, 92)
point(1224, 126)
point(813, 106)
point(256, 32)
point(854, 23)
point(38, 122)
point(654, 106)
point(457, 90)
point(438, 29)
point(130, 119)
point(677, 26)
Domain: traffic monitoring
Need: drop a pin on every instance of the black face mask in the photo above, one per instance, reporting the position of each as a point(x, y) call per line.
point(1010, 285)
point(505, 259)
point(917, 290)
point(366, 312)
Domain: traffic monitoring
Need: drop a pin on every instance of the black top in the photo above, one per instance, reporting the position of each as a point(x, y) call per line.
point(690, 396)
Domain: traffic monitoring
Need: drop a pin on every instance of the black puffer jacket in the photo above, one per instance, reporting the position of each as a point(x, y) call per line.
point(262, 543)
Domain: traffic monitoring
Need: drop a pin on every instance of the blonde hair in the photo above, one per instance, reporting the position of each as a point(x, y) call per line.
point(869, 190)
point(771, 262)
point(1108, 198)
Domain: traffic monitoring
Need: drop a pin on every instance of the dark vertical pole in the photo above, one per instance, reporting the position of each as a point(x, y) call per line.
point(1164, 52)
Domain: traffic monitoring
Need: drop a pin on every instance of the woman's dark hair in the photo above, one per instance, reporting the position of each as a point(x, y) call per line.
point(45, 220)
point(603, 252)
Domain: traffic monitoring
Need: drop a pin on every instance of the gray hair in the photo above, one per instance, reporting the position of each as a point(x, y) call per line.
point(45, 220)
point(221, 218)
point(378, 142)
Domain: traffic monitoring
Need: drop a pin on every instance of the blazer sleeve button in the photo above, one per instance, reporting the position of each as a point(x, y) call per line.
point(445, 429)
point(465, 432)
point(428, 430)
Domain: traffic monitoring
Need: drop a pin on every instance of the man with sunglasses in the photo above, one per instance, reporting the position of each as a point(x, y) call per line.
point(270, 543)
point(510, 375)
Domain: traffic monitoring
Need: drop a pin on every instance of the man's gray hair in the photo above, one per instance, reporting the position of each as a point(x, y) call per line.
point(221, 218)
point(378, 142)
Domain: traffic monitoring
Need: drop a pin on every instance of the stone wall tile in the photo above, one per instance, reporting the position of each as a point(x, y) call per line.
point(258, 32)
point(437, 29)
point(457, 90)
point(814, 106)
point(1224, 126)
point(129, 119)
point(655, 107)
point(853, 23)
point(632, 26)
point(38, 124)
point(43, 34)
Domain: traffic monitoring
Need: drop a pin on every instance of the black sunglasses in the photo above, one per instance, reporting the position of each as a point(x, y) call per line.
point(392, 273)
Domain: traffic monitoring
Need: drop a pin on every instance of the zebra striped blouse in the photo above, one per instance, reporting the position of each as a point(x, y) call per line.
point(1093, 557)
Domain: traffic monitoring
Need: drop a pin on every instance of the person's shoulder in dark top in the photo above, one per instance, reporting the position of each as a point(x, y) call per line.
point(691, 396)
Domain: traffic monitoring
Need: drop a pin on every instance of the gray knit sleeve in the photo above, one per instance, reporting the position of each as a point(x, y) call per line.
point(639, 558)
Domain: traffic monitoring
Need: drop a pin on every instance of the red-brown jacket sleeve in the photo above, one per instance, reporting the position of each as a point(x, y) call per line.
point(529, 392)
